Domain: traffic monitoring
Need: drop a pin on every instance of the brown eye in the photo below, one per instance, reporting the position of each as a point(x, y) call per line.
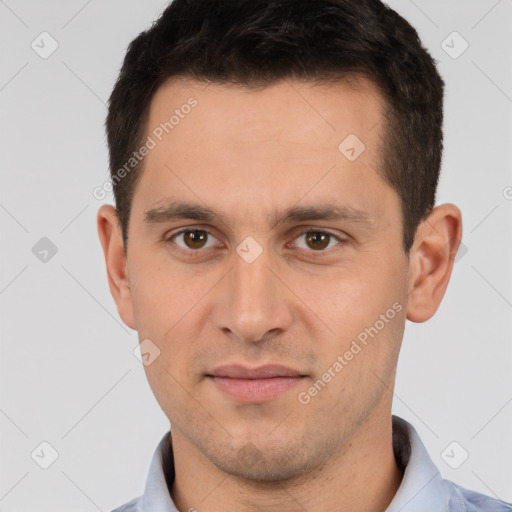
point(193, 239)
point(317, 240)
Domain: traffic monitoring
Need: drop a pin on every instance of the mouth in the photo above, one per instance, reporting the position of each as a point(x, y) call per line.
point(255, 385)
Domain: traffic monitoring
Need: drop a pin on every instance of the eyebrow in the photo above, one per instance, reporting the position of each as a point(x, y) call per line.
point(175, 210)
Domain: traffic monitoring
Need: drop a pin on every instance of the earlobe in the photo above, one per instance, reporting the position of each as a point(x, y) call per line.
point(431, 261)
point(109, 231)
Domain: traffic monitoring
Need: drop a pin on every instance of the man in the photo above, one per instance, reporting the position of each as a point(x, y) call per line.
point(275, 165)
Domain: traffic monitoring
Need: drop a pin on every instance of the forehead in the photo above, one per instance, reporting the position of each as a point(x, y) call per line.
point(288, 110)
point(232, 147)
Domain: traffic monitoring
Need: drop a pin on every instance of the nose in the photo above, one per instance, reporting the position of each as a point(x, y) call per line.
point(253, 304)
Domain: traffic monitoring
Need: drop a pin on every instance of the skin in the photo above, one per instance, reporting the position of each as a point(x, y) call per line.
point(250, 155)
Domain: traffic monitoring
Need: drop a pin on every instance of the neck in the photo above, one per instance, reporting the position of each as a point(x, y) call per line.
point(363, 476)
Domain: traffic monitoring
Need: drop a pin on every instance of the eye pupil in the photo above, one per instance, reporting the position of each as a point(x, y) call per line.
point(318, 240)
point(195, 239)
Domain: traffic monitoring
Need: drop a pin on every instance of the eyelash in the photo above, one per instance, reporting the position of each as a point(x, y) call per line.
point(320, 252)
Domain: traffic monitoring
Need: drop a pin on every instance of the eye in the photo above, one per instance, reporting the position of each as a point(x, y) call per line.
point(317, 240)
point(193, 239)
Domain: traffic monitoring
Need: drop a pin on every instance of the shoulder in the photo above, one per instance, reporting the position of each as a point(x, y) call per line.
point(423, 489)
point(465, 500)
point(131, 506)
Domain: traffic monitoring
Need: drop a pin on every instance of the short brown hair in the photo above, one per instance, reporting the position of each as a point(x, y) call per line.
point(255, 43)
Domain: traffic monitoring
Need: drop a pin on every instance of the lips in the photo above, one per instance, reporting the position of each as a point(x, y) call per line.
point(262, 372)
point(255, 385)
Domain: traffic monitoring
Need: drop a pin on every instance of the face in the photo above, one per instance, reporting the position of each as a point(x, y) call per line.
point(265, 262)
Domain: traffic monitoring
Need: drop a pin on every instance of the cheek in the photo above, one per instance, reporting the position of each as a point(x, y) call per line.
point(161, 295)
point(362, 304)
point(169, 309)
point(345, 300)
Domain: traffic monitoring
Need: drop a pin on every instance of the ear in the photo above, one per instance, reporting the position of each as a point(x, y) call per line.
point(109, 231)
point(431, 260)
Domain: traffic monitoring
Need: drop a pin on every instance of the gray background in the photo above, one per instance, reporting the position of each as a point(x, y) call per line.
point(68, 374)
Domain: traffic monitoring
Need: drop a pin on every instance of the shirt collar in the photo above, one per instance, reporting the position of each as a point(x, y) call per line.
point(422, 488)
point(156, 497)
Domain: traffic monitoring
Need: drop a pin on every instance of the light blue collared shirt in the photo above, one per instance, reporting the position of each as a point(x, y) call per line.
point(422, 489)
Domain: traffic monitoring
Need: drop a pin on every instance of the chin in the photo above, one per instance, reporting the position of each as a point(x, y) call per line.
point(264, 464)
